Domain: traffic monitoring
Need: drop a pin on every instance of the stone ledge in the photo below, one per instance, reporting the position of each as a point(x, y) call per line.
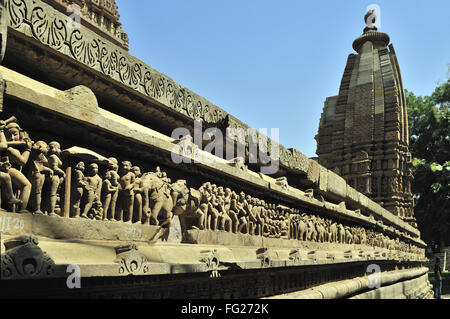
point(59, 228)
point(322, 251)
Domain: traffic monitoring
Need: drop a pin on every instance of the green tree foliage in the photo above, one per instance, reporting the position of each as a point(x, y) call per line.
point(429, 127)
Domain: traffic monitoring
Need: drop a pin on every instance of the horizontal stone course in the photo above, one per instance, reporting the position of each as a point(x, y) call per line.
point(12, 224)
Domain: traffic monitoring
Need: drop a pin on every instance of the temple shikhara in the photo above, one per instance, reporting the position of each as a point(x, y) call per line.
point(93, 204)
point(363, 133)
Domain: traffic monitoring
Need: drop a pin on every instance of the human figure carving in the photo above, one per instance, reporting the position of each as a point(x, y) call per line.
point(194, 213)
point(312, 232)
point(248, 207)
point(293, 231)
point(333, 238)
point(165, 178)
point(204, 203)
point(252, 215)
point(302, 228)
point(363, 237)
point(93, 189)
point(55, 163)
point(233, 209)
point(208, 197)
point(139, 194)
point(6, 183)
point(5, 166)
point(213, 213)
point(38, 170)
point(225, 221)
point(110, 190)
point(197, 209)
point(341, 234)
point(77, 189)
point(284, 226)
point(158, 172)
point(17, 138)
point(126, 193)
point(242, 214)
point(258, 214)
point(348, 235)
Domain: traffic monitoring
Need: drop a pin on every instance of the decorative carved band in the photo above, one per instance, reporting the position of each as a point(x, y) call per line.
point(51, 28)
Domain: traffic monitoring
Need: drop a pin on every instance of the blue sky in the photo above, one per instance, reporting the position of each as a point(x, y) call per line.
point(273, 63)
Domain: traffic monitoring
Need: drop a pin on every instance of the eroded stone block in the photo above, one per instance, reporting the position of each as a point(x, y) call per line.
point(336, 185)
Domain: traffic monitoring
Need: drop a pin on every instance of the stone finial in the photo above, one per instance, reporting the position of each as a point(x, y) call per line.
point(371, 32)
point(370, 18)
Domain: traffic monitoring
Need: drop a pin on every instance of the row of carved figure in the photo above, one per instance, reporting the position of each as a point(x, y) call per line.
point(33, 176)
point(222, 209)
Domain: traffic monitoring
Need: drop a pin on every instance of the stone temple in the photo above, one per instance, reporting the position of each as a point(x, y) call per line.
point(363, 133)
point(99, 200)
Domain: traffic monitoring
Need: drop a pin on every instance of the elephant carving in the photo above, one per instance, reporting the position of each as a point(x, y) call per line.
point(163, 200)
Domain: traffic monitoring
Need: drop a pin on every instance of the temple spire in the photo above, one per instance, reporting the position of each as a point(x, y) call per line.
point(363, 132)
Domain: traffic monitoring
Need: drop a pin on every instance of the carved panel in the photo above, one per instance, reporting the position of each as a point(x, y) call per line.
point(24, 259)
point(131, 261)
